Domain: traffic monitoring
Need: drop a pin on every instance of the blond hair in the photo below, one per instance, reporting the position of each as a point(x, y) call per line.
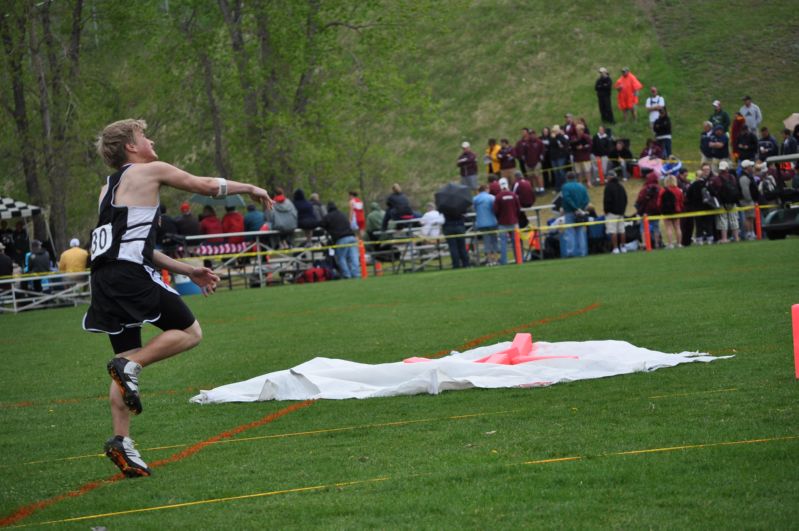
point(112, 141)
point(669, 181)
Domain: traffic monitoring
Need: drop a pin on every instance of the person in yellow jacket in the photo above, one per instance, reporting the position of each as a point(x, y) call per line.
point(75, 259)
point(491, 158)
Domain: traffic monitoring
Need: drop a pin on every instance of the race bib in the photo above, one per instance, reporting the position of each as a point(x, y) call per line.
point(102, 238)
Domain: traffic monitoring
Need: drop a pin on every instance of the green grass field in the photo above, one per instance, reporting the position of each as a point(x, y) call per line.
point(563, 456)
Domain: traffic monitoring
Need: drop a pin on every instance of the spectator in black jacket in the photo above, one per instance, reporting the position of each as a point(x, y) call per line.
point(695, 201)
point(615, 203)
point(662, 129)
point(746, 144)
point(603, 88)
point(398, 206)
point(766, 145)
point(338, 227)
point(601, 146)
point(621, 158)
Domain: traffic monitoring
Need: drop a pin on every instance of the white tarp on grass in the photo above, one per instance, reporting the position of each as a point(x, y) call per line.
point(338, 379)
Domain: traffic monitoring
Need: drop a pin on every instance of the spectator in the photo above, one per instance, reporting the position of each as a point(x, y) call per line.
point(654, 103)
point(627, 98)
point(253, 220)
point(21, 243)
point(431, 222)
point(569, 127)
point(581, 149)
point(546, 158)
point(507, 162)
point(524, 190)
point(746, 145)
point(454, 229)
point(719, 117)
point(559, 154)
point(399, 208)
point(621, 158)
point(283, 218)
point(581, 121)
point(75, 259)
point(467, 163)
point(768, 191)
point(670, 201)
point(520, 150)
point(7, 239)
point(165, 233)
point(789, 144)
point(662, 128)
point(533, 157)
point(651, 150)
point(37, 261)
point(493, 185)
point(735, 131)
point(615, 204)
point(6, 268)
point(705, 152)
point(603, 88)
point(574, 240)
point(187, 223)
point(210, 224)
point(506, 209)
point(484, 221)
point(601, 146)
point(233, 221)
point(491, 158)
point(751, 113)
point(725, 188)
point(749, 196)
point(647, 203)
point(319, 209)
point(306, 215)
point(766, 145)
point(374, 220)
point(698, 198)
point(357, 214)
point(338, 227)
point(719, 145)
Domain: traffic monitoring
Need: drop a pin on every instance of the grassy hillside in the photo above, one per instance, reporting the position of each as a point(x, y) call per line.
point(495, 66)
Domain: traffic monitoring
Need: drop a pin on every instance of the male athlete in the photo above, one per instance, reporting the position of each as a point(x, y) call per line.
point(127, 290)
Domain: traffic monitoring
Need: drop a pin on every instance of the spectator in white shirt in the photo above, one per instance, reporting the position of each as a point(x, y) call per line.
point(751, 113)
point(654, 103)
point(431, 222)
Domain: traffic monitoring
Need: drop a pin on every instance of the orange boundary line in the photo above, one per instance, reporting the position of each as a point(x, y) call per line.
point(27, 510)
point(492, 335)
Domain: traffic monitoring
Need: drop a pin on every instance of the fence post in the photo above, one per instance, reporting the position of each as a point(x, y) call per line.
point(647, 235)
point(517, 245)
point(758, 225)
point(362, 257)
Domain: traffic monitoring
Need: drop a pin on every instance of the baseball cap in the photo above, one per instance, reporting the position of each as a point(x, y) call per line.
point(724, 165)
point(503, 183)
point(747, 164)
point(747, 97)
point(603, 70)
point(74, 242)
point(185, 207)
point(465, 145)
point(716, 103)
point(625, 69)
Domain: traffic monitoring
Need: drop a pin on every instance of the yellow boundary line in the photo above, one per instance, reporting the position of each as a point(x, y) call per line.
point(646, 451)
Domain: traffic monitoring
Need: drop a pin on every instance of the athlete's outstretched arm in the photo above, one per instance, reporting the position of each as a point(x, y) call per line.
point(210, 186)
point(202, 276)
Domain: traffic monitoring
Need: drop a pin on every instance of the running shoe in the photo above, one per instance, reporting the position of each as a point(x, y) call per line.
point(126, 375)
point(122, 452)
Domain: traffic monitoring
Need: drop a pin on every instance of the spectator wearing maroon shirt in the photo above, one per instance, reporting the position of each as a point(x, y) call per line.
point(493, 185)
point(232, 221)
point(533, 160)
point(467, 162)
point(520, 150)
point(570, 127)
point(581, 150)
point(524, 190)
point(210, 224)
point(507, 162)
point(506, 208)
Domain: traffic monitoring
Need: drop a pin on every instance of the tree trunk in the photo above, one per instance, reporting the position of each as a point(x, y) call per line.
point(216, 120)
point(14, 46)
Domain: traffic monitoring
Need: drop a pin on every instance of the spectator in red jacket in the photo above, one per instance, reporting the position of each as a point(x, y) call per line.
point(467, 163)
point(520, 150)
point(670, 201)
point(524, 190)
point(533, 159)
point(506, 208)
point(493, 185)
point(647, 203)
point(232, 221)
point(507, 162)
point(581, 151)
point(210, 224)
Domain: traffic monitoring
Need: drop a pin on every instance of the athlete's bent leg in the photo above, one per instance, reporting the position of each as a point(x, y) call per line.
point(167, 344)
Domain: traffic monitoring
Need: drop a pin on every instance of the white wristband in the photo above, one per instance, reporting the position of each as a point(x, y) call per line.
point(222, 187)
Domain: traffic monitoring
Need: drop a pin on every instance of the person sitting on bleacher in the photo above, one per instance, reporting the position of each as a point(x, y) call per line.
point(283, 218)
point(374, 221)
point(338, 227)
point(233, 221)
point(399, 208)
point(210, 224)
point(431, 222)
point(306, 215)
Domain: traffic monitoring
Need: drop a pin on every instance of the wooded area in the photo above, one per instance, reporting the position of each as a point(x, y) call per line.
point(281, 93)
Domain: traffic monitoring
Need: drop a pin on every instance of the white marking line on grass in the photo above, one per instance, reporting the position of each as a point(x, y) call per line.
point(209, 501)
point(729, 390)
point(292, 434)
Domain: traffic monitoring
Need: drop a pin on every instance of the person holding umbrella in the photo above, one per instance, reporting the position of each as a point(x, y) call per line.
point(453, 200)
point(126, 287)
